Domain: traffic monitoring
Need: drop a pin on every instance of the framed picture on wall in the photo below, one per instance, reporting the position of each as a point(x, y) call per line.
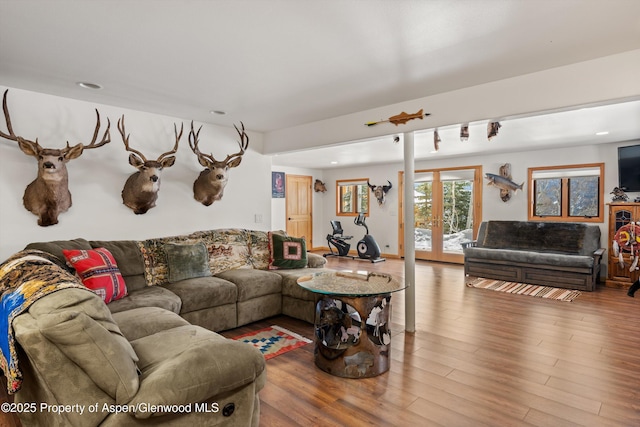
point(277, 185)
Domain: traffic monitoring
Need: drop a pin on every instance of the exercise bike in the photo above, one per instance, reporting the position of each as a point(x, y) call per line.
point(367, 247)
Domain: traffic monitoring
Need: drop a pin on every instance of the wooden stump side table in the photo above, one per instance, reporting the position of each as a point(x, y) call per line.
point(352, 332)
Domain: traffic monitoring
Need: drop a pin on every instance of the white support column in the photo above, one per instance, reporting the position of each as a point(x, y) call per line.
point(409, 235)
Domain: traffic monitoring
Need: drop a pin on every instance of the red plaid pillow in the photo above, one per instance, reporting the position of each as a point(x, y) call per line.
point(98, 271)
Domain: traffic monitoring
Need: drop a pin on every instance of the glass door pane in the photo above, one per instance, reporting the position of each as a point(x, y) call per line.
point(457, 209)
point(423, 211)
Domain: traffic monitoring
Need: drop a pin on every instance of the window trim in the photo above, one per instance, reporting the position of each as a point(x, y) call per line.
point(564, 209)
point(355, 182)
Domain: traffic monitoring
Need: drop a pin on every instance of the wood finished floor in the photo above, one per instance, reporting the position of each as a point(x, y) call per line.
point(478, 358)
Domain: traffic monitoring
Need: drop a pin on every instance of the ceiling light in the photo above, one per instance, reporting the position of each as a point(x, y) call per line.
point(87, 85)
point(602, 133)
point(334, 163)
point(218, 112)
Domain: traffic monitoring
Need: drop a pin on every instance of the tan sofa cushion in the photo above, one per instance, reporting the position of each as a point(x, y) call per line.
point(150, 296)
point(103, 354)
point(191, 364)
point(253, 283)
point(203, 292)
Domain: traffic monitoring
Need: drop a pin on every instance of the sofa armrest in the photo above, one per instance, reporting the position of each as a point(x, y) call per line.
point(598, 254)
point(471, 244)
point(315, 260)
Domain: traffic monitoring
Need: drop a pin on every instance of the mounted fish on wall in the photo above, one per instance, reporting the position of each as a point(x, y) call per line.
point(504, 182)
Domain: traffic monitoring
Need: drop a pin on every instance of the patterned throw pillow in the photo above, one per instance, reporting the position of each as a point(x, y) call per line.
point(187, 261)
point(98, 271)
point(286, 252)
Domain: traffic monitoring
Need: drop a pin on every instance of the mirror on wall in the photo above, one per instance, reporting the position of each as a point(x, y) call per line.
point(352, 197)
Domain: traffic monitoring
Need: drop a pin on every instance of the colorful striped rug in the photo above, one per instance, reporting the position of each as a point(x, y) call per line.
point(525, 289)
point(273, 341)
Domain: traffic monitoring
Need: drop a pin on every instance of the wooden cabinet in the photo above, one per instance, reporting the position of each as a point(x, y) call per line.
point(621, 214)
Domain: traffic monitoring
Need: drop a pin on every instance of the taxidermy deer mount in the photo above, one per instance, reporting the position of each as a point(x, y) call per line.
point(140, 192)
point(379, 191)
point(48, 195)
point(210, 184)
point(319, 186)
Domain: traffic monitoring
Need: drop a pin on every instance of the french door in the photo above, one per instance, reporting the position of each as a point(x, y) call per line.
point(447, 211)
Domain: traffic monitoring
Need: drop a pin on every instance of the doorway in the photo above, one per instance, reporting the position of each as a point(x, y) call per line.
point(299, 208)
point(447, 211)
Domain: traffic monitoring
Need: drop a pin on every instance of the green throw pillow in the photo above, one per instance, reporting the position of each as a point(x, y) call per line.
point(286, 252)
point(187, 261)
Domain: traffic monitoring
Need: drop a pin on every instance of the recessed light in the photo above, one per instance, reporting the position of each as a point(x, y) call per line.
point(87, 85)
point(602, 133)
point(218, 112)
point(334, 163)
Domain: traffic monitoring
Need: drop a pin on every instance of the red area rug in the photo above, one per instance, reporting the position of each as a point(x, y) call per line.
point(273, 341)
point(525, 289)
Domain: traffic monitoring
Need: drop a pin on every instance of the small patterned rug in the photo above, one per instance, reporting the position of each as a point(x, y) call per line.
point(525, 289)
point(273, 341)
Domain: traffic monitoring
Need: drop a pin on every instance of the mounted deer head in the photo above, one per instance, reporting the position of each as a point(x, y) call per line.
point(209, 186)
point(140, 192)
point(319, 186)
point(380, 191)
point(48, 195)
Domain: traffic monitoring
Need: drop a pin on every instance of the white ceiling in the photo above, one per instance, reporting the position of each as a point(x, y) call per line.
point(281, 63)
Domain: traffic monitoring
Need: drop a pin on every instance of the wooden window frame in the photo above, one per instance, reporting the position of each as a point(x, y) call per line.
point(564, 205)
point(354, 182)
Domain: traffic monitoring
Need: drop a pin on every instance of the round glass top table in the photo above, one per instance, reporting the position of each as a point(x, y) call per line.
point(352, 332)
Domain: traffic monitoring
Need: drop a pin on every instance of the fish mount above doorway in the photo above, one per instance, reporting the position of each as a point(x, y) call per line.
point(400, 119)
point(504, 182)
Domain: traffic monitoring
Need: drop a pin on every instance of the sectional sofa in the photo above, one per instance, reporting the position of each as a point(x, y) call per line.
point(145, 346)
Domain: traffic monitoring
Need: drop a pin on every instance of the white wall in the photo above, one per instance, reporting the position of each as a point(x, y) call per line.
point(97, 177)
point(383, 221)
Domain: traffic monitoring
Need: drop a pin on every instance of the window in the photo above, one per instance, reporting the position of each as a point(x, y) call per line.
point(352, 197)
point(567, 193)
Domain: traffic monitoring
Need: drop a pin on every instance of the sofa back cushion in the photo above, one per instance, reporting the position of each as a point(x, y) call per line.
point(558, 237)
point(55, 248)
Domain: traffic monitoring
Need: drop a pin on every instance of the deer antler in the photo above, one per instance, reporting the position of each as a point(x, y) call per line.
point(175, 147)
point(11, 135)
point(193, 143)
point(125, 139)
point(233, 160)
point(106, 137)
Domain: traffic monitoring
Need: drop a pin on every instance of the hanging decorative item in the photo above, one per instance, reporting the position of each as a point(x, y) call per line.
point(464, 132)
point(140, 191)
point(48, 195)
point(319, 186)
point(627, 239)
point(619, 195)
point(401, 118)
point(504, 182)
point(492, 129)
point(379, 191)
point(436, 141)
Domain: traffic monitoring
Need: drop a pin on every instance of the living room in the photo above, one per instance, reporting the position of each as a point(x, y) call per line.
point(43, 108)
